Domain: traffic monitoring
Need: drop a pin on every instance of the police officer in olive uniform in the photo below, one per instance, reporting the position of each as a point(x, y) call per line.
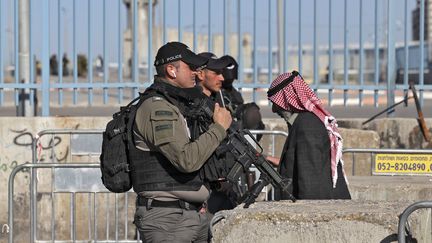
point(170, 190)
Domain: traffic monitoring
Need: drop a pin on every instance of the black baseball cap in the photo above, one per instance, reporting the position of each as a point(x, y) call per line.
point(231, 71)
point(214, 63)
point(174, 51)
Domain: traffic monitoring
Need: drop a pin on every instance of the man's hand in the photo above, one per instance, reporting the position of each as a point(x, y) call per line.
point(222, 116)
point(273, 160)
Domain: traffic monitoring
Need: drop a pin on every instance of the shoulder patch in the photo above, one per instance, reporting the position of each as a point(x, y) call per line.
point(163, 113)
point(163, 131)
point(159, 128)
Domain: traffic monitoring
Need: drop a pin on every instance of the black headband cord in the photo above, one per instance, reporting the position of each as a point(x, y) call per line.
point(284, 83)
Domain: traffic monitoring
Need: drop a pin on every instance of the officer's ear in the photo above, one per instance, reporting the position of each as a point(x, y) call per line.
point(200, 74)
point(170, 71)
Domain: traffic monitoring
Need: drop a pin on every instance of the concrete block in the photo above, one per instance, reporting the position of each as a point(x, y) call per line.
point(358, 164)
point(390, 188)
point(394, 132)
point(319, 221)
point(352, 123)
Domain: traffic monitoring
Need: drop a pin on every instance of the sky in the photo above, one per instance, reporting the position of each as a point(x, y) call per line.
point(292, 15)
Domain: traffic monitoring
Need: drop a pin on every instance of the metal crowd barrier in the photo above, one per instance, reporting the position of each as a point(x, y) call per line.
point(406, 213)
point(92, 222)
point(93, 188)
point(273, 134)
point(62, 178)
point(53, 132)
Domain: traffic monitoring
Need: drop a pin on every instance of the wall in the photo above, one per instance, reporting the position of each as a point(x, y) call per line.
point(16, 135)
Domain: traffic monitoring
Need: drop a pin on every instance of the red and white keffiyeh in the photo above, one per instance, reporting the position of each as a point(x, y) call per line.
point(298, 95)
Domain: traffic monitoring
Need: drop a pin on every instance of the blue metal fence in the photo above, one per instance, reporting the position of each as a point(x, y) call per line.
point(346, 48)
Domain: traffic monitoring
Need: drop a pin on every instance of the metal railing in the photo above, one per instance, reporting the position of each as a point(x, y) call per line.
point(92, 217)
point(344, 60)
point(404, 217)
point(55, 132)
point(94, 190)
point(273, 135)
point(59, 172)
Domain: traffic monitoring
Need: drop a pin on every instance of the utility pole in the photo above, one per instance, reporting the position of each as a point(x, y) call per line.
point(24, 108)
point(280, 35)
point(391, 60)
point(142, 32)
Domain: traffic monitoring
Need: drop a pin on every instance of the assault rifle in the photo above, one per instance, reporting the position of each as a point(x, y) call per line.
point(245, 156)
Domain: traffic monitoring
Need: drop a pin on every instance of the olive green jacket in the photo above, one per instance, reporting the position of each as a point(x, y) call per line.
point(164, 130)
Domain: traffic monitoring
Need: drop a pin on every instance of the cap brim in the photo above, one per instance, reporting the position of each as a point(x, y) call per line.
point(194, 60)
point(218, 64)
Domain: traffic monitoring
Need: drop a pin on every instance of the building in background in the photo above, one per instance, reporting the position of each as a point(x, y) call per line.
point(427, 20)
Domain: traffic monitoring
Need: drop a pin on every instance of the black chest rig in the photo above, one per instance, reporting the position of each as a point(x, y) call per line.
point(221, 161)
point(150, 170)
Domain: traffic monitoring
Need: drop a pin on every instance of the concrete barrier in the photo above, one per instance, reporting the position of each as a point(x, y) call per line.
point(356, 138)
point(319, 221)
point(395, 132)
point(390, 188)
point(371, 215)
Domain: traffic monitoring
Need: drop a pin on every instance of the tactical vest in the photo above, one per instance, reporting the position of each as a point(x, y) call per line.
point(221, 161)
point(150, 170)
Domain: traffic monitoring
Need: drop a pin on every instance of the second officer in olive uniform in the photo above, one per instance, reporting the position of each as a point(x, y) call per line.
point(166, 176)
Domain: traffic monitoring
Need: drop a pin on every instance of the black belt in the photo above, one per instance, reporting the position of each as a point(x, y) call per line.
point(152, 203)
